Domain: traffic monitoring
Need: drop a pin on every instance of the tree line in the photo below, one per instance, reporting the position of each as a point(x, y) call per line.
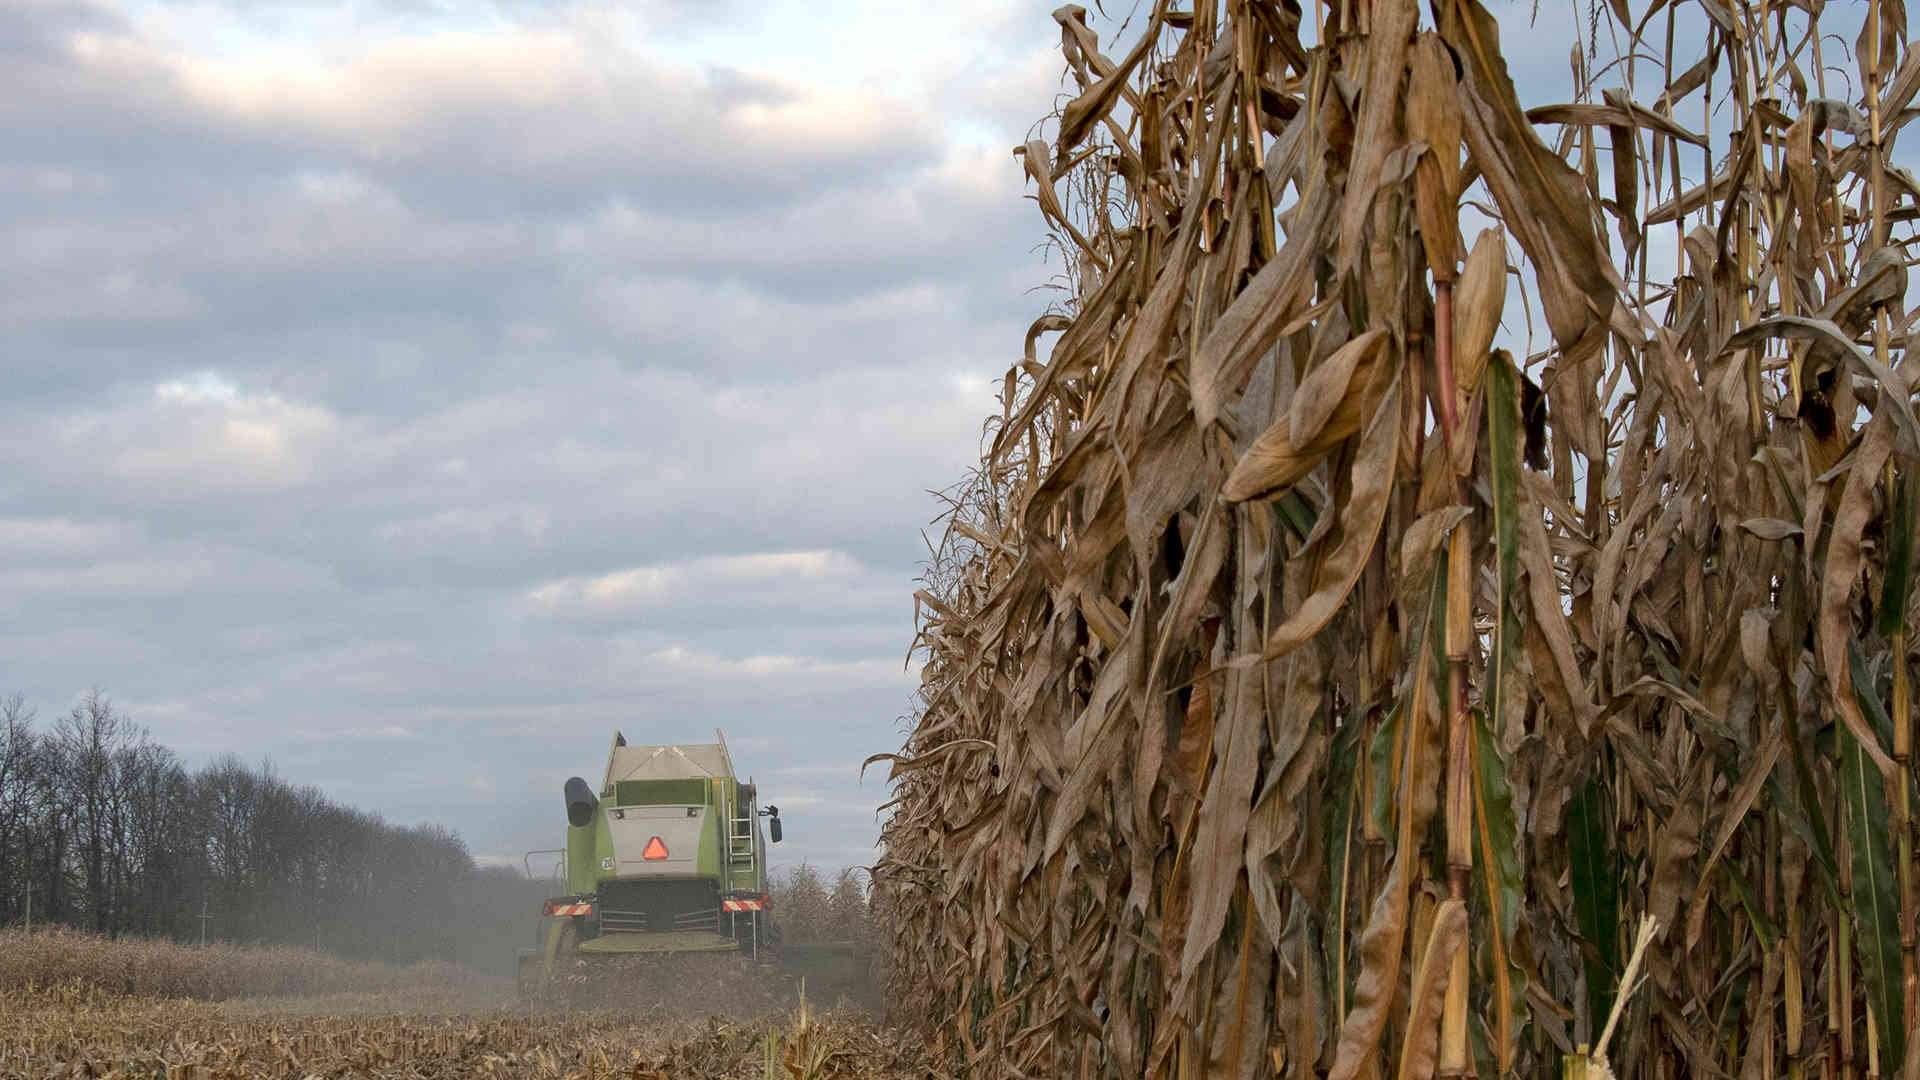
point(104, 829)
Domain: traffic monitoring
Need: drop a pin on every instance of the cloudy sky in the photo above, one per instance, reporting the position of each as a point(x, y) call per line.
point(412, 392)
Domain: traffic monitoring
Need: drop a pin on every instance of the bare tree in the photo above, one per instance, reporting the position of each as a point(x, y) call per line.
point(89, 737)
point(17, 750)
point(106, 829)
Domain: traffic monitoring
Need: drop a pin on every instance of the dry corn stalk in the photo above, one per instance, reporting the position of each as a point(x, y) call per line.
point(1312, 687)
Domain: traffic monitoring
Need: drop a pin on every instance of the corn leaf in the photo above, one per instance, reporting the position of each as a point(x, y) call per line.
point(1876, 912)
point(1897, 584)
point(1596, 893)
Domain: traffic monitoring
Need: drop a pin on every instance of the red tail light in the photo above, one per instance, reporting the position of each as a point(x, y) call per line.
point(655, 850)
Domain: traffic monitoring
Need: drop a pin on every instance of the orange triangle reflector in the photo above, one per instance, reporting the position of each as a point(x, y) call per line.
point(655, 849)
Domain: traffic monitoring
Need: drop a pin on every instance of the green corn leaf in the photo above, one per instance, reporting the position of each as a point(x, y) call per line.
point(1296, 512)
point(1779, 797)
point(1503, 424)
point(1499, 866)
point(1380, 759)
point(1866, 692)
point(1898, 586)
point(1342, 760)
point(1436, 629)
point(1762, 926)
point(1876, 903)
point(1484, 1065)
point(1496, 799)
point(1596, 893)
point(1804, 810)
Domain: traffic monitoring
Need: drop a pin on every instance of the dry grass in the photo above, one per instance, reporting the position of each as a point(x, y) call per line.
point(1313, 687)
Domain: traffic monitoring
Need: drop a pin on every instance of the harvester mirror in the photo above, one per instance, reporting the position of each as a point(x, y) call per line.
point(581, 802)
point(772, 814)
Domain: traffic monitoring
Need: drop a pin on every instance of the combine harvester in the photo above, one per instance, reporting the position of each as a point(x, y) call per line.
point(668, 859)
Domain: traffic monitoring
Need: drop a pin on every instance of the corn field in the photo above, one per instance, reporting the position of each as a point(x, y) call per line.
point(1441, 604)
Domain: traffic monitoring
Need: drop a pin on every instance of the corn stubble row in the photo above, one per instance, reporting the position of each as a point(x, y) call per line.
point(1312, 688)
point(83, 1031)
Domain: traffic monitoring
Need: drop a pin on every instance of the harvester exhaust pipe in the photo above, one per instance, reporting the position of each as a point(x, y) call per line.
point(581, 802)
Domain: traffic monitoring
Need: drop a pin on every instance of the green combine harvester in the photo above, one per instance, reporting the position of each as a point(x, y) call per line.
point(669, 858)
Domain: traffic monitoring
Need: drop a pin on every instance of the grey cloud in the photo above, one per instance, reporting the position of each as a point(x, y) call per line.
point(515, 121)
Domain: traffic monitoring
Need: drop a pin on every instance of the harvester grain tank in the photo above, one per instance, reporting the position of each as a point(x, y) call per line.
point(669, 856)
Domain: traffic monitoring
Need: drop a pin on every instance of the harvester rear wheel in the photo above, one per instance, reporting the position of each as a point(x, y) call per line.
point(540, 969)
point(566, 946)
point(528, 976)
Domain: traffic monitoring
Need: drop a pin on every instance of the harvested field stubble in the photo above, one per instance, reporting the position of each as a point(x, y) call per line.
point(84, 1032)
point(684, 986)
point(1311, 687)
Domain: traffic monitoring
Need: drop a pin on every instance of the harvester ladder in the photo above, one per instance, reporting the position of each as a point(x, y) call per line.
point(739, 827)
point(740, 838)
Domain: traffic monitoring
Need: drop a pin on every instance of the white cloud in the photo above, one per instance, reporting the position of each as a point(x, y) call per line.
point(197, 387)
point(791, 670)
point(204, 432)
point(573, 102)
point(642, 587)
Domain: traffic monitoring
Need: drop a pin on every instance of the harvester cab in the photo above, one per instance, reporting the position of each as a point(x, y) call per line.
point(669, 856)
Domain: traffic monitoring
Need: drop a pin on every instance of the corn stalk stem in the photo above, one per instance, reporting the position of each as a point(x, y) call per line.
point(1459, 614)
point(1903, 815)
point(1901, 711)
point(1842, 985)
point(1454, 1058)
